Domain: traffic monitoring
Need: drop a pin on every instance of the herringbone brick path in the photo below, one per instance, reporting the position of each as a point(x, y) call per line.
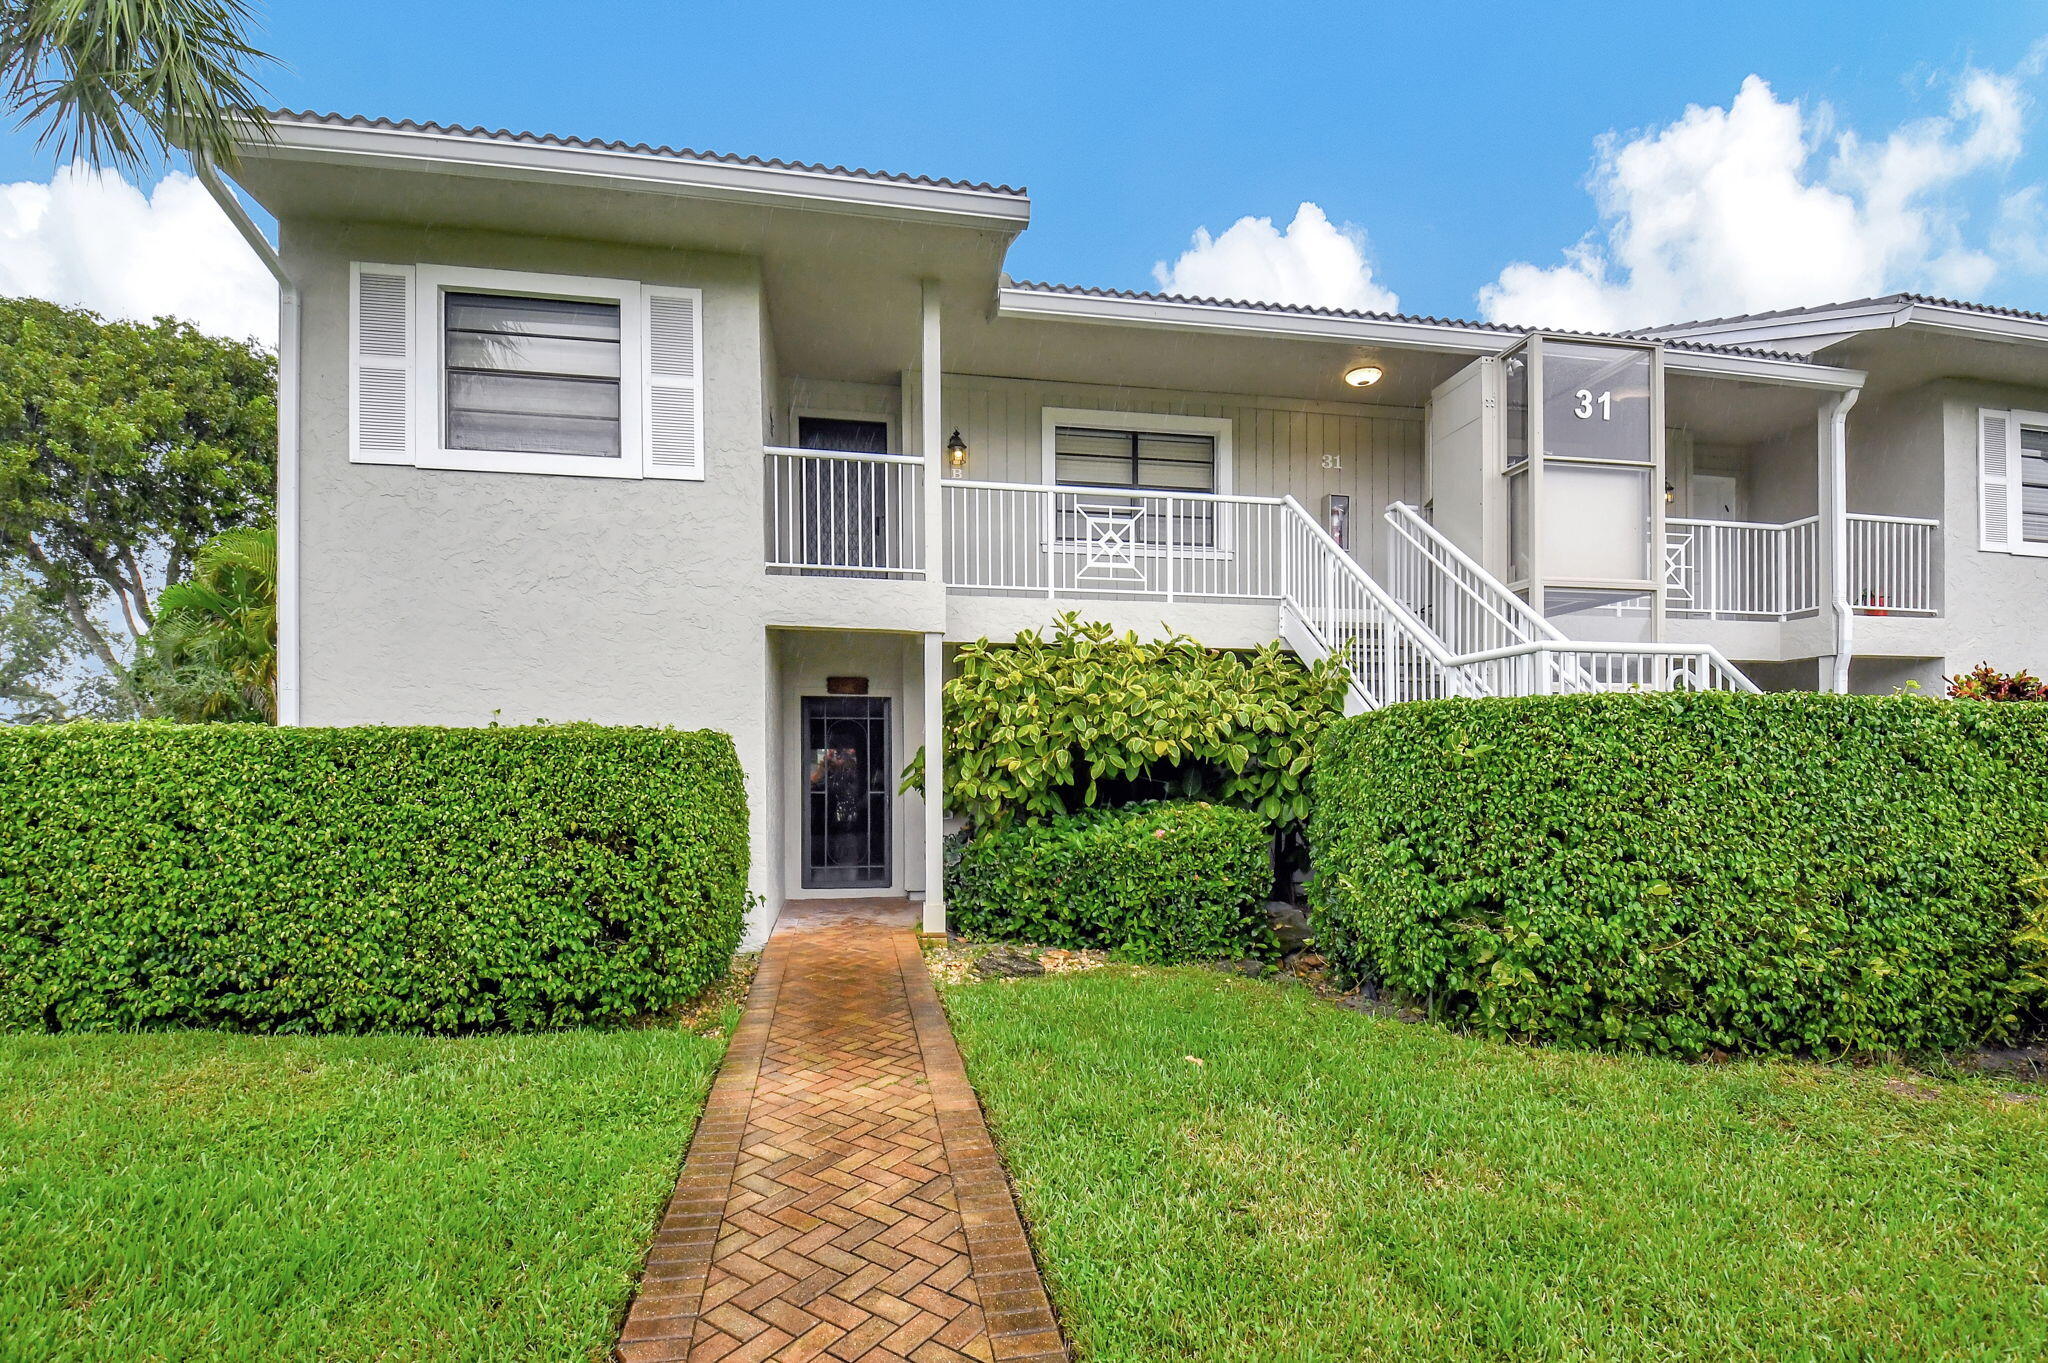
point(842, 1200)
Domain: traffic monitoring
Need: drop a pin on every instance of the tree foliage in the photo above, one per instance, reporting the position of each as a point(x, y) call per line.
point(123, 448)
point(118, 81)
point(1046, 725)
point(213, 653)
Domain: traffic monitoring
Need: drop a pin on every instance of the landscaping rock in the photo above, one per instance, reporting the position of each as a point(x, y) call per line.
point(1006, 964)
point(1290, 925)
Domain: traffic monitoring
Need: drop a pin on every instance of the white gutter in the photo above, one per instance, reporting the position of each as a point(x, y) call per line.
point(1837, 435)
point(287, 439)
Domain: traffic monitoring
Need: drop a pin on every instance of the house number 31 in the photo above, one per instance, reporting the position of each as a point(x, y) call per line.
point(1333, 461)
point(1583, 410)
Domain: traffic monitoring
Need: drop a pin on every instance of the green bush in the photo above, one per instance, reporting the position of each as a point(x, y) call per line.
point(1687, 872)
point(1084, 716)
point(1166, 881)
point(324, 880)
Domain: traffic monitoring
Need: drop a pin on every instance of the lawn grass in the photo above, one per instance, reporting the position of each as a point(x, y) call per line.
point(1331, 1186)
point(208, 1196)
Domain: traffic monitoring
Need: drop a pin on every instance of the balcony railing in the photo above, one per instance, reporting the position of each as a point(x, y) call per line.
point(1893, 565)
point(1064, 541)
point(851, 515)
point(1751, 570)
point(858, 515)
point(1742, 569)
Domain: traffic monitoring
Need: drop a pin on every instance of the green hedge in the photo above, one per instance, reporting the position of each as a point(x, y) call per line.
point(1164, 881)
point(321, 880)
point(1688, 872)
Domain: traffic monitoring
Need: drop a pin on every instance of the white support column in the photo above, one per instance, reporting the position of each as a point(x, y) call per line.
point(1834, 460)
point(934, 782)
point(932, 434)
point(932, 429)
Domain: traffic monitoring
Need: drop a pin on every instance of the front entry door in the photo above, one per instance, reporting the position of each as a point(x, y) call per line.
point(846, 792)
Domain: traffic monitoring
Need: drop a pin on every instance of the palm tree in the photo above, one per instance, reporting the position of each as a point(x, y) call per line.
point(213, 652)
point(120, 81)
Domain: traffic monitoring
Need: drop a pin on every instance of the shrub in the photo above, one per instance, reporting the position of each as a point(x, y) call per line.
point(1687, 872)
point(1166, 881)
point(318, 880)
point(1987, 683)
point(1042, 726)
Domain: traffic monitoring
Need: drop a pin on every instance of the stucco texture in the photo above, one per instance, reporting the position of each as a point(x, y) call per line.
point(438, 597)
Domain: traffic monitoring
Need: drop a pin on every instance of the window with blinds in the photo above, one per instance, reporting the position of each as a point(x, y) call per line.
point(1155, 460)
point(2034, 485)
point(1158, 462)
point(532, 375)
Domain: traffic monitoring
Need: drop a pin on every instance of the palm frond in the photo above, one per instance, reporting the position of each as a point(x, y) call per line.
point(118, 81)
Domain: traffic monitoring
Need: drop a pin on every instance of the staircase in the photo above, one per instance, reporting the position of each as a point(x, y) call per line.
point(1449, 628)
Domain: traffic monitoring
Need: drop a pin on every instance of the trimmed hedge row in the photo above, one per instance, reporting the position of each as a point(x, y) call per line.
point(1162, 881)
point(1687, 872)
point(322, 880)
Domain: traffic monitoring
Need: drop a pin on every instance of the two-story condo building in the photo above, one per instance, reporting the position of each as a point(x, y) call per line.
point(582, 430)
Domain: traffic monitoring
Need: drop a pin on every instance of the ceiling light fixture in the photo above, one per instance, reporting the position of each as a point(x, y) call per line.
point(1363, 375)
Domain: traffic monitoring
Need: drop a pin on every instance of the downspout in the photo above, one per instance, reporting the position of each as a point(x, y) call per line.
point(288, 311)
point(1837, 426)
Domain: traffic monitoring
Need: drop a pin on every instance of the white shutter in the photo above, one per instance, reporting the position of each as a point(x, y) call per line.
point(380, 346)
point(674, 404)
point(1997, 479)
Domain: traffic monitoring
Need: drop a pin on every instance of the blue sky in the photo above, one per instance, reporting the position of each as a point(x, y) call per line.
point(1452, 141)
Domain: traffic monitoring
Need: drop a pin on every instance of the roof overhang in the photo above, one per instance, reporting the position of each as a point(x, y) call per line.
point(1810, 330)
point(842, 253)
point(1379, 332)
point(634, 169)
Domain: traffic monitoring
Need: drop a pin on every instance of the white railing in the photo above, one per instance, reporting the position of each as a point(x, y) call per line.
point(1446, 589)
point(1742, 569)
point(1758, 571)
point(1333, 607)
point(839, 514)
point(1451, 629)
point(1554, 666)
point(1892, 564)
point(1068, 541)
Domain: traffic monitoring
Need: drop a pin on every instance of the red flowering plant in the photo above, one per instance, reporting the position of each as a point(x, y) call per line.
point(1987, 683)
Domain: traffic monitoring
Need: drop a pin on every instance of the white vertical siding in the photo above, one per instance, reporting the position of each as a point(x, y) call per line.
point(1278, 444)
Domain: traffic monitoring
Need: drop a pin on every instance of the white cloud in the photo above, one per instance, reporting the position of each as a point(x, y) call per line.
point(1313, 261)
point(1760, 205)
point(90, 239)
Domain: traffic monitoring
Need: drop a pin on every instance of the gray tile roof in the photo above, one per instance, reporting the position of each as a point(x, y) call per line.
point(1893, 299)
point(308, 116)
point(1413, 319)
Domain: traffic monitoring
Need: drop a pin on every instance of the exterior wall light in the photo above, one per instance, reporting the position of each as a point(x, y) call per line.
point(956, 454)
point(1670, 494)
point(1363, 375)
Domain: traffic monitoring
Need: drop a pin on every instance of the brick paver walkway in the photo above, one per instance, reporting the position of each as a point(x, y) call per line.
point(842, 1200)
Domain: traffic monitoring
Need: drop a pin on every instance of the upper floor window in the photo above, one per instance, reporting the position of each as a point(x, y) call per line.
point(2034, 484)
point(2012, 481)
point(510, 372)
point(1163, 466)
point(531, 375)
point(1164, 461)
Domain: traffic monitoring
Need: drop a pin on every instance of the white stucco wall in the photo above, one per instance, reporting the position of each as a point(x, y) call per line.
point(436, 597)
point(1996, 604)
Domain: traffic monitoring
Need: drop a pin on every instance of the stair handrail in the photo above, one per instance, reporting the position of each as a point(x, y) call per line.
point(1516, 614)
point(1395, 615)
point(1706, 655)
